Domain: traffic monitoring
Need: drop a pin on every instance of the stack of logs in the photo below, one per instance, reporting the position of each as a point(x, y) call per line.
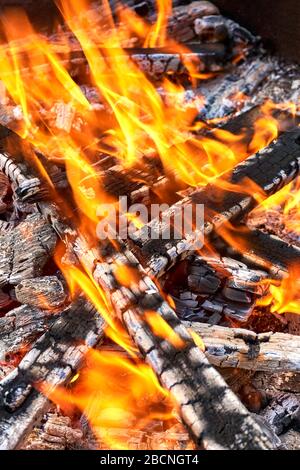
point(244, 390)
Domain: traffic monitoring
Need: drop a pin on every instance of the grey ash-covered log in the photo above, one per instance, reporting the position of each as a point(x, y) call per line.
point(240, 348)
point(25, 250)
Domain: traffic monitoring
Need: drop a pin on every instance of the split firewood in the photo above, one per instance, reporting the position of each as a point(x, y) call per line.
point(244, 349)
point(20, 326)
point(53, 359)
point(45, 292)
point(158, 252)
point(25, 250)
point(56, 433)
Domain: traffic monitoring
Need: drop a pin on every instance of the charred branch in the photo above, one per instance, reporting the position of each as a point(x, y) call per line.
point(52, 360)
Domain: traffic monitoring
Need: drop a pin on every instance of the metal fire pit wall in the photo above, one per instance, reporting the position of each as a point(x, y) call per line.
point(276, 21)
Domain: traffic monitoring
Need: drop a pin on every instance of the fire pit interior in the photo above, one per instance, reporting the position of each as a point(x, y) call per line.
point(149, 226)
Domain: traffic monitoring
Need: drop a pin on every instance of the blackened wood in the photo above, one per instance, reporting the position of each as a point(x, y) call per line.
point(53, 358)
point(269, 252)
point(269, 169)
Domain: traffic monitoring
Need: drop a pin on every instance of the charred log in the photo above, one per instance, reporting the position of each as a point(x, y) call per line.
point(205, 402)
point(45, 292)
point(52, 360)
point(244, 349)
point(20, 327)
point(269, 169)
point(25, 250)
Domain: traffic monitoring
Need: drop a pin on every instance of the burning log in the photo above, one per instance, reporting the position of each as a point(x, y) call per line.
point(204, 400)
point(243, 82)
point(269, 252)
point(25, 250)
point(20, 327)
point(221, 205)
point(244, 349)
point(53, 359)
point(45, 292)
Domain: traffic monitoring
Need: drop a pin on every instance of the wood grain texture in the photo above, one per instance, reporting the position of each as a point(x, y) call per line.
point(240, 348)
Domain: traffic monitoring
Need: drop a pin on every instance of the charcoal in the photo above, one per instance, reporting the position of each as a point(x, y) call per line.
point(211, 29)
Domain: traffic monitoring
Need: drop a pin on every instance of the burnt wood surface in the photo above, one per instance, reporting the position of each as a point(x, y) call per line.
point(269, 169)
point(269, 252)
point(53, 359)
point(206, 403)
point(240, 348)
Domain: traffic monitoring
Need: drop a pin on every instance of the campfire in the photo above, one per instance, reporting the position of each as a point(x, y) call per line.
point(149, 231)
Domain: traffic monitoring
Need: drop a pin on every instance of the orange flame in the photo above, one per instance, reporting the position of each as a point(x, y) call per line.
point(138, 398)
